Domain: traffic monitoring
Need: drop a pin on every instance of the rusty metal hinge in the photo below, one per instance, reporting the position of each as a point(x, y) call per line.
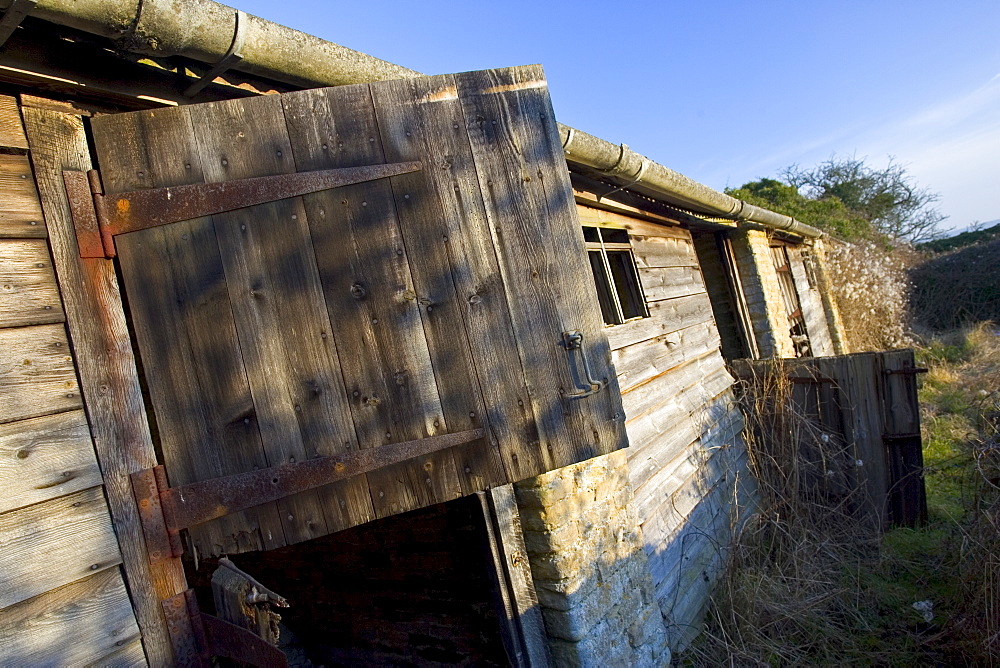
point(99, 217)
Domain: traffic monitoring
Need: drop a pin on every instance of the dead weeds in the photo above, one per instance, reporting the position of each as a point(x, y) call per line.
point(810, 584)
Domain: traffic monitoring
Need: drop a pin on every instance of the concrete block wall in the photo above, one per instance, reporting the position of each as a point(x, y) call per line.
point(589, 567)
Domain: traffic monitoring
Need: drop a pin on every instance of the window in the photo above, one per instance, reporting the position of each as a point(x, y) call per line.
point(615, 274)
point(796, 322)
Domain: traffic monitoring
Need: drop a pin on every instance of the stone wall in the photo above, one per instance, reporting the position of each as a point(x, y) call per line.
point(589, 567)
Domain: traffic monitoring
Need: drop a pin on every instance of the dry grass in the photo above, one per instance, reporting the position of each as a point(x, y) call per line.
point(808, 584)
point(794, 580)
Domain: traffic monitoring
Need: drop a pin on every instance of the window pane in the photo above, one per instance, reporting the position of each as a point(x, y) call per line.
point(613, 236)
point(590, 234)
point(626, 284)
point(608, 311)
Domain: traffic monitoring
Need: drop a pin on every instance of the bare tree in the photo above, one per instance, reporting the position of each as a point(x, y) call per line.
point(888, 198)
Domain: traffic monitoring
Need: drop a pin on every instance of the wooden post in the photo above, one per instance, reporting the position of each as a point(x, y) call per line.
point(522, 626)
point(108, 377)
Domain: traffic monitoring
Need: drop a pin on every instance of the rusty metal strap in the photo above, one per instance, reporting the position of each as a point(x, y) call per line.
point(98, 217)
point(199, 502)
point(231, 57)
point(906, 372)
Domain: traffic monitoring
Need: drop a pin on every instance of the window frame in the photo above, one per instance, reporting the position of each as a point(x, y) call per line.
point(790, 296)
point(602, 248)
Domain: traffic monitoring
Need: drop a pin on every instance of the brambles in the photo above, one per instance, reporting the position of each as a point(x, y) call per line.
point(870, 285)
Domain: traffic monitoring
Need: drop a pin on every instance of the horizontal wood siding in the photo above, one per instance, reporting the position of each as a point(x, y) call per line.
point(86, 622)
point(28, 292)
point(73, 533)
point(36, 372)
point(686, 454)
point(63, 600)
point(21, 214)
point(44, 458)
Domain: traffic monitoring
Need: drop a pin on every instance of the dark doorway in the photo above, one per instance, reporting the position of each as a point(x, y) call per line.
point(410, 589)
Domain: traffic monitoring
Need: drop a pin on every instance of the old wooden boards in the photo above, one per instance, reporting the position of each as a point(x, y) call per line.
point(424, 304)
point(859, 425)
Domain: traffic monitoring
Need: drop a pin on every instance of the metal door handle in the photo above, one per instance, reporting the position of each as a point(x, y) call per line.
point(574, 341)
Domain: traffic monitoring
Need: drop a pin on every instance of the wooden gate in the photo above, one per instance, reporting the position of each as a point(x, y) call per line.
point(864, 405)
point(370, 327)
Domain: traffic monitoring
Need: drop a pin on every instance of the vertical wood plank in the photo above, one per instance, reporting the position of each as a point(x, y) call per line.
point(537, 235)
point(181, 311)
point(371, 297)
point(867, 372)
point(455, 272)
point(20, 213)
point(106, 367)
point(281, 318)
point(902, 409)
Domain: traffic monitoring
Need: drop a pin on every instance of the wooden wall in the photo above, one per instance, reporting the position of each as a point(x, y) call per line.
point(685, 455)
point(62, 595)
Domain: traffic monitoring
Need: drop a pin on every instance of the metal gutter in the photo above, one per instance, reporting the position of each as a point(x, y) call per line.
point(636, 172)
point(209, 32)
point(204, 30)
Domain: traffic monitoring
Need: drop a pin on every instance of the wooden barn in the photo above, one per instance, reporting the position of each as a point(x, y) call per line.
point(282, 323)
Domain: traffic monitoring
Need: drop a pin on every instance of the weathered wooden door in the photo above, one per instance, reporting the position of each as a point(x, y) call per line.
point(434, 302)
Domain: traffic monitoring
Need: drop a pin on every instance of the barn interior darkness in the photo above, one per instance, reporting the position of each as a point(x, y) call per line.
point(410, 589)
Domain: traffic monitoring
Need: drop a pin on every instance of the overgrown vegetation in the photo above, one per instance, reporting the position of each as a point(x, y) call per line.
point(810, 585)
point(957, 288)
point(851, 200)
point(870, 286)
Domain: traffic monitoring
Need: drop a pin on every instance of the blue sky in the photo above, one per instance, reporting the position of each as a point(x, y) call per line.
point(726, 92)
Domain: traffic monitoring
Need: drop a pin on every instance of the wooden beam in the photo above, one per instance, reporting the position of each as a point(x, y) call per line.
point(523, 626)
point(106, 367)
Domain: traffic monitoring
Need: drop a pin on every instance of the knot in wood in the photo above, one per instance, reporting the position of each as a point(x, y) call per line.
point(358, 291)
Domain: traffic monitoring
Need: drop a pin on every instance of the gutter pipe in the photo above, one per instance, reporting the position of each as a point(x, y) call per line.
point(639, 173)
point(208, 32)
